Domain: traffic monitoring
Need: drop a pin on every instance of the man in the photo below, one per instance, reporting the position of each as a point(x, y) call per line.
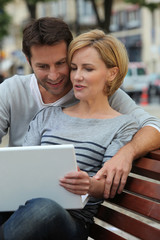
point(45, 43)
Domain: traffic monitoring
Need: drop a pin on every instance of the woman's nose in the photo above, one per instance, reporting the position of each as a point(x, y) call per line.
point(78, 76)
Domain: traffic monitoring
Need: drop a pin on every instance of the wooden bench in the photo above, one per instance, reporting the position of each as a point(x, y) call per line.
point(135, 212)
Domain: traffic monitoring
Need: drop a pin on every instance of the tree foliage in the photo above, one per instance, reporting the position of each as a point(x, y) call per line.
point(4, 19)
point(143, 3)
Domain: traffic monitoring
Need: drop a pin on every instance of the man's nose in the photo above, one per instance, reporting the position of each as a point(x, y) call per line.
point(53, 73)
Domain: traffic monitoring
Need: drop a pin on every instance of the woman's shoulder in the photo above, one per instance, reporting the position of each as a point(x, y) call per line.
point(48, 111)
point(128, 124)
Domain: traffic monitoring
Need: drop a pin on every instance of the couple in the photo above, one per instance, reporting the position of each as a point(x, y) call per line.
point(98, 64)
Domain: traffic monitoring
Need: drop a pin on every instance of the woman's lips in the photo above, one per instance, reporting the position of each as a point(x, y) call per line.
point(79, 87)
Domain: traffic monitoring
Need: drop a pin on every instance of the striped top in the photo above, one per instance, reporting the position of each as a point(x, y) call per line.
point(95, 141)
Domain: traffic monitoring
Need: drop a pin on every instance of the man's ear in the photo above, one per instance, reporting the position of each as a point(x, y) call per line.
point(113, 73)
point(28, 60)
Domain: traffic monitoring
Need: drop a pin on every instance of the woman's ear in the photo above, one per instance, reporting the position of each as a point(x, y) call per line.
point(113, 73)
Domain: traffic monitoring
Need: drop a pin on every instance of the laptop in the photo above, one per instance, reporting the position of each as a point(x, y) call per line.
point(34, 172)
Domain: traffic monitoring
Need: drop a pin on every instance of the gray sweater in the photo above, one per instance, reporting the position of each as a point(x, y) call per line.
point(95, 141)
point(18, 106)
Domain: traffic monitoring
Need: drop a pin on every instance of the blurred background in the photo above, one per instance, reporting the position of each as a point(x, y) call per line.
point(135, 22)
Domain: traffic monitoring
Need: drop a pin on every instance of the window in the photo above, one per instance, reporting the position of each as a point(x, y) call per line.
point(133, 18)
point(141, 71)
point(86, 12)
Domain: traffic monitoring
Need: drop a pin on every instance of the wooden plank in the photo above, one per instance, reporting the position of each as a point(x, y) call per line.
point(99, 233)
point(143, 187)
point(128, 224)
point(154, 154)
point(141, 197)
point(147, 167)
point(137, 204)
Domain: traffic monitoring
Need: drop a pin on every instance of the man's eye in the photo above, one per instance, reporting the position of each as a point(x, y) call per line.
point(61, 63)
point(42, 66)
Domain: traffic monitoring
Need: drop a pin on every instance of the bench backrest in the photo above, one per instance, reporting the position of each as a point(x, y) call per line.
point(137, 210)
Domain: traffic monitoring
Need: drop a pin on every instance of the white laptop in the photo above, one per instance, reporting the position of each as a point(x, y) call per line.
point(34, 172)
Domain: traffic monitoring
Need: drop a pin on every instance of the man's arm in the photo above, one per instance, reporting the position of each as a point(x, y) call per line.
point(4, 110)
point(121, 102)
point(145, 140)
point(118, 167)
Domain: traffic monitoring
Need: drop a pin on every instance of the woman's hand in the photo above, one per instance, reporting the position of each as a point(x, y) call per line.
point(76, 182)
point(80, 183)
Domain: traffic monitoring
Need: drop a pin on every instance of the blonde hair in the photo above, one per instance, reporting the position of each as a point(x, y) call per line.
point(111, 50)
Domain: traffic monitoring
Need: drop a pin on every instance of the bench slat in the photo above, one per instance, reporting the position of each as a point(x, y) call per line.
point(143, 187)
point(141, 196)
point(128, 224)
point(147, 167)
point(99, 233)
point(154, 155)
point(137, 204)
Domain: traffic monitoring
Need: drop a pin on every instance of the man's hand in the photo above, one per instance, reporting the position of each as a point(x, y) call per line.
point(116, 171)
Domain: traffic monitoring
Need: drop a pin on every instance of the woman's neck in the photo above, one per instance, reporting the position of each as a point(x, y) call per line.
point(92, 109)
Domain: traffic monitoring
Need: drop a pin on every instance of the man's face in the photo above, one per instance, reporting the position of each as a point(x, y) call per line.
point(49, 64)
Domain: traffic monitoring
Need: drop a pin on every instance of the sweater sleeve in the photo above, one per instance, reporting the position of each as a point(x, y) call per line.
point(122, 103)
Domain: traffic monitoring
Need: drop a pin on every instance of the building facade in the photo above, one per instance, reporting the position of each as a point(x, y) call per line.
point(136, 27)
point(139, 30)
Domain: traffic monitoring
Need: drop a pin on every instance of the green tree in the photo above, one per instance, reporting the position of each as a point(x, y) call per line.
point(144, 3)
point(4, 19)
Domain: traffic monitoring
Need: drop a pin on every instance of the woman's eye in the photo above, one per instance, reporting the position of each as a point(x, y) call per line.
point(89, 69)
point(73, 68)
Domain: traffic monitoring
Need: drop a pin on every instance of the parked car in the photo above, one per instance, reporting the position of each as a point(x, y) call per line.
point(136, 80)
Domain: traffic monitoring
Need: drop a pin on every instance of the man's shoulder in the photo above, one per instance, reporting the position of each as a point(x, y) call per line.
point(118, 93)
point(18, 79)
point(16, 87)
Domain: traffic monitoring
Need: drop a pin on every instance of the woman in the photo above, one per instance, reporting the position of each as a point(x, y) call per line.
point(98, 66)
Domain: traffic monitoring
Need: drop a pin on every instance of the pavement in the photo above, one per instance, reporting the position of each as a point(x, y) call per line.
point(153, 109)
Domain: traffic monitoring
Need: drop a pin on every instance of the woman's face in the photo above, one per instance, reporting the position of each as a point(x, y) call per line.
point(89, 74)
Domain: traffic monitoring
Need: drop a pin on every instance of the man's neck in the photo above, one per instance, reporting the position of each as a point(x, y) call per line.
point(48, 97)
